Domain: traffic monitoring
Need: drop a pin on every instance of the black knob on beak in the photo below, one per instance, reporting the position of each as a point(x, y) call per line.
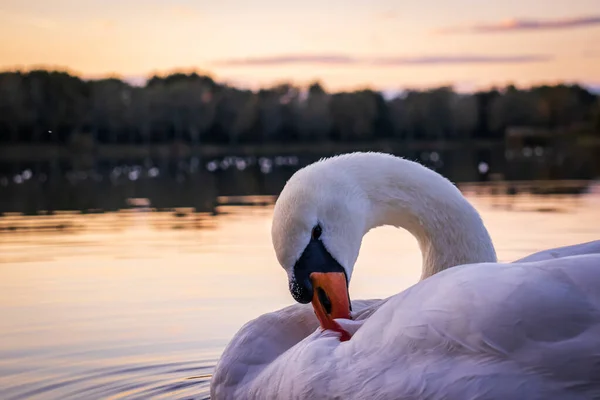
point(302, 291)
point(314, 258)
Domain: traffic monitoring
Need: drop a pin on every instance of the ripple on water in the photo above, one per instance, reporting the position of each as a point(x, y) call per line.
point(166, 380)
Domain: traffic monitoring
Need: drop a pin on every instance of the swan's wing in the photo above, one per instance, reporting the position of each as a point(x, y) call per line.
point(481, 331)
point(565, 251)
point(256, 344)
point(260, 341)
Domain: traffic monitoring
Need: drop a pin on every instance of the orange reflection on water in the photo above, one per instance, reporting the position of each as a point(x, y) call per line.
point(143, 303)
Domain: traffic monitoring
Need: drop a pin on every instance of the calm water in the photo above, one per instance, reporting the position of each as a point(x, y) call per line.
point(140, 305)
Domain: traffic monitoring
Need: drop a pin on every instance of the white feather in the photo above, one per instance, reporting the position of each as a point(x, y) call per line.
point(470, 329)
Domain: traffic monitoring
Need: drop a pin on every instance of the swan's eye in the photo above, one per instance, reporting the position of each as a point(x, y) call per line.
point(316, 232)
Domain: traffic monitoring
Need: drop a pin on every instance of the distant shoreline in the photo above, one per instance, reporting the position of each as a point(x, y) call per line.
point(46, 152)
point(11, 152)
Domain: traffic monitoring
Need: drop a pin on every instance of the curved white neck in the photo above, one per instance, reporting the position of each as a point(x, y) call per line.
point(447, 227)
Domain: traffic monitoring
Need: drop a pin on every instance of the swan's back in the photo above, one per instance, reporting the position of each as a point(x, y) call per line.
point(481, 331)
point(496, 331)
point(592, 247)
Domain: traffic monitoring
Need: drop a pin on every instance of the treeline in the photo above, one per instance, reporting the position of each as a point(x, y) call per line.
point(48, 106)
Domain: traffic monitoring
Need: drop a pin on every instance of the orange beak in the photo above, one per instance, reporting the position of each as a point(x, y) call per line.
point(330, 300)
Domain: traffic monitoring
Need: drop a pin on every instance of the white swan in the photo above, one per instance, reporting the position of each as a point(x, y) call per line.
point(485, 330)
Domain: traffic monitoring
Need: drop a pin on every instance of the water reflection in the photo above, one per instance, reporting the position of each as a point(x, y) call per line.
point(107, 184)
point(137, 304)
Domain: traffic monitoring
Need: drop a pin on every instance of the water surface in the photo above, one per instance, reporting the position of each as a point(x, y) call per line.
point(135, 305)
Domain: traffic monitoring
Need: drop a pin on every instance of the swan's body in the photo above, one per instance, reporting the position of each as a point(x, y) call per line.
point(479, 330)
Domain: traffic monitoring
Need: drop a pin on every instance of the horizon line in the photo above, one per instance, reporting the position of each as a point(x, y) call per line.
point(142, 80)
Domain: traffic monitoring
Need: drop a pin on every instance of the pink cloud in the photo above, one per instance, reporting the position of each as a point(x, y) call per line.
point(344, 60)
point(517, 25)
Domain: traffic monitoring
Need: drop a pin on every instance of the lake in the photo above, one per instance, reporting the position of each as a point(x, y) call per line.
point(135, 305)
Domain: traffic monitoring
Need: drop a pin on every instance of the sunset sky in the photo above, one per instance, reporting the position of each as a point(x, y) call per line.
point(343, 43)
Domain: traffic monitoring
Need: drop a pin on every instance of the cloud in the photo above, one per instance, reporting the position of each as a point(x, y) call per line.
point(286, 59)
point(344, 60)
point(462, 59)
point(519, 25)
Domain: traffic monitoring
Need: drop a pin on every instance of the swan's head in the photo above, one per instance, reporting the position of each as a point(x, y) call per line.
point(318, 224)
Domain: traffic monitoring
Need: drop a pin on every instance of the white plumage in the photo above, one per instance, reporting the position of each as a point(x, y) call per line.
point(472, 328)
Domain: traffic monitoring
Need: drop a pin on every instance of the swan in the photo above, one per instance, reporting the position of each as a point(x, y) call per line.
point(471, 328)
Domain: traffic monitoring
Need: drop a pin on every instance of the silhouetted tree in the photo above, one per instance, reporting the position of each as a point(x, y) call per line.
point(313, 119)
point(42, 106)
point(596, 118)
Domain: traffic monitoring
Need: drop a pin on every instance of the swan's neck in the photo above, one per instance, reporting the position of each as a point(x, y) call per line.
point(447, 227)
